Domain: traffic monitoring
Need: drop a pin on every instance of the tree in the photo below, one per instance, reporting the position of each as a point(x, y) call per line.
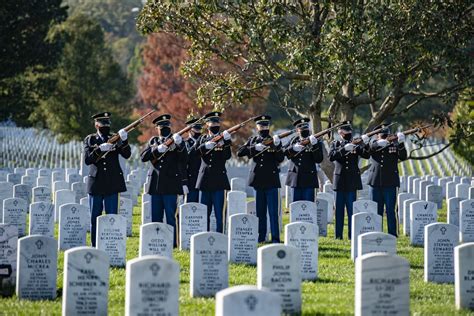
point(86, 80)
point(24, 52)
point(463, 118)
point(117, 19)
point(366, 54)
point(163, 85)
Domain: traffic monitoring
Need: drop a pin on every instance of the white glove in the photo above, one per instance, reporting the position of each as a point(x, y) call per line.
point(226, 135)
point(365, 139)
point(298, 147)
point(185, 189)
point(382, 142)
point(349, 147)
point(313, 140)
point(276, 140)
point(210, 145)
point(401, 137)
point(123, 134)
point(260, 147)
point(177, 138)
point(105, 147)
point(162, 148)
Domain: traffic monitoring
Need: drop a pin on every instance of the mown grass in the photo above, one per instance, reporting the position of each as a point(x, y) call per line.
point(332, 293)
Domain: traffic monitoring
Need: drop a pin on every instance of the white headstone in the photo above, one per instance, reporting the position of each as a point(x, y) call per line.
point(466, 221)
point(8, 258)
point(462, 190)
point(22, 191)
point(278, 269)
point(86, 282)
point(363, 223)
point(146, 212)
point(62, 197)
point(192, 220)
point(402, 197)
point(421, 214)
point(41, 194)
point(243, 238)
point(152, 286)
point(376, 242)
point(236, 203)
point(238, 184)
point(42, 219)
point(330, 198)
point(80, 190)
point(14, 213)
point(156, 239)
point(247, 300)
point(464, 276)
point(111, 237)
point(364, 206)
point(303, 211)
point(434, 193)
point(73, 222)
point(209, 264)
point(453, 210)
point(406, 215)
point(125, 208)
point(37, 268)
point(304, 236)
point(439, 252)
point(382, 285)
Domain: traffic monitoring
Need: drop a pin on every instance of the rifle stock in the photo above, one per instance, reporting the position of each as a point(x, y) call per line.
point(394, 137)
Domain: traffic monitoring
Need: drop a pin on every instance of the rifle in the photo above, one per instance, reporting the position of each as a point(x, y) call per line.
point(269, 141)
point(231, 130)
point(170, 140)
point(394, 137)
point(357, 141)
point(306, 141)
point(130, 127)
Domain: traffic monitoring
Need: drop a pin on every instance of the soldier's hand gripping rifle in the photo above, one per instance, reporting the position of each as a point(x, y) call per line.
point(269, 141)
point(170, 140)
point(358, 140)
point(393, 137)
point(130, 127)
point(305, 142)
point(231, 131)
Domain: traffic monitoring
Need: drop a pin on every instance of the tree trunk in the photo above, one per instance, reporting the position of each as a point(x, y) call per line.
point(347, 112)
point(314, 113)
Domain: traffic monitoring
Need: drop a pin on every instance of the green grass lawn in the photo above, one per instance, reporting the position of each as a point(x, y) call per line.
point(332, 293)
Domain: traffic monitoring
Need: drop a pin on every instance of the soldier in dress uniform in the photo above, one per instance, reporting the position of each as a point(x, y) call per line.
point(194, 159)
point(346, 179)
point(383, 174)
point(105, 178)
point(212, 180)
point(264, 176)
point(302, 174)
point(167, 175)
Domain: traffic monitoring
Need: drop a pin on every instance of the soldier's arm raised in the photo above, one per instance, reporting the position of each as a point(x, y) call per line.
point(148, 153)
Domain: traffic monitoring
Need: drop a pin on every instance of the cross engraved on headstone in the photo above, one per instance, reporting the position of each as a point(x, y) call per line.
point(39, 244)
point(281, 254)
point(157, 230)
point(42, 190)
point(317, 202)
point(155, 268)
point(366, 205)
point(472, 204)
point(88, 256)
point(42, 207)
point(1, 232)
point(121, 202)
point(112, 221)
point(211, 240)
point(193, 208)
point(368, 219)
point(251, 301)
point(15, 202)
point(302, 230)
point(378, 241)
point(303, 207)
point(245, 220)
point(443, 230)
point(73, 210)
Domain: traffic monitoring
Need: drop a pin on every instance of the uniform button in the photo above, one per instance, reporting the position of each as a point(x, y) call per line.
point(381, 160)
point(161, 160)
point(347, 167)
point(210, 159)
point(210, 165)
point(381, 165)
point(105, 168)
point(104, 162)
point(347, 162)
point(261, 165)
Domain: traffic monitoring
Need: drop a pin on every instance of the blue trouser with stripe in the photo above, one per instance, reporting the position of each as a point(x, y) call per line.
point(267, 199)
point(303, 194)
point(344, 200)
point(161, 203)
point(214, 200)
point(386, 196)
point(98, 203)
